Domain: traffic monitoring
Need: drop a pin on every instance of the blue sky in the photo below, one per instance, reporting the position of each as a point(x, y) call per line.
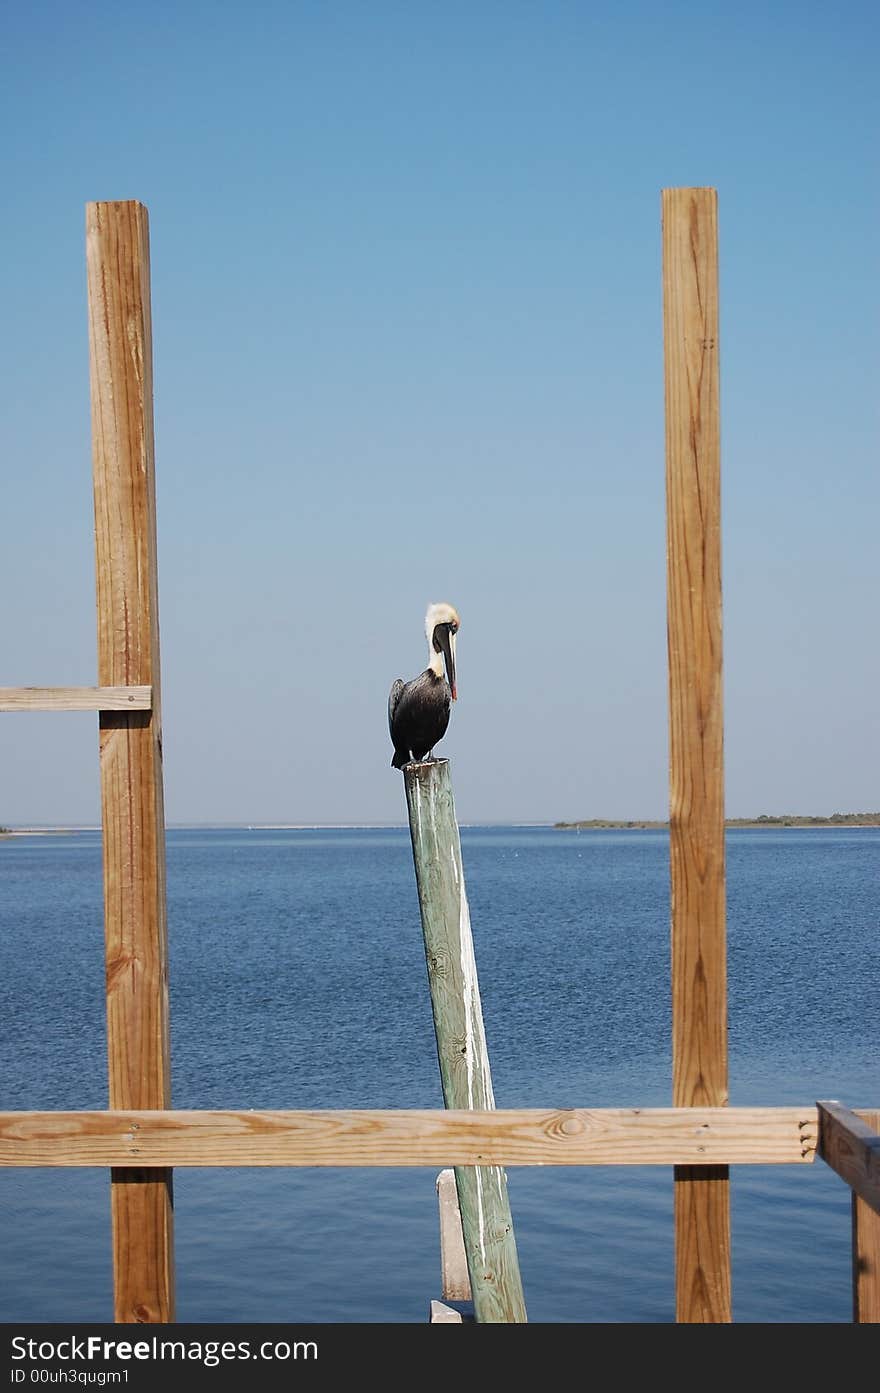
point(408, 347)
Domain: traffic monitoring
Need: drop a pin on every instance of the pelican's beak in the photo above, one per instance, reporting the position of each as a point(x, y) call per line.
point(447, 643)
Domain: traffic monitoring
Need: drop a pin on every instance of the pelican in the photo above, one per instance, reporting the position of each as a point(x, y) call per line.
point(418, 711)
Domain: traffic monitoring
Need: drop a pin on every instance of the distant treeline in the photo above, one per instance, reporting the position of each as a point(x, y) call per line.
point(764, 820)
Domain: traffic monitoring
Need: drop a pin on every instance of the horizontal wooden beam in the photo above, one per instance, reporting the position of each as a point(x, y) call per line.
point(404, 1137)
point(851, 1148)
point(76, 698)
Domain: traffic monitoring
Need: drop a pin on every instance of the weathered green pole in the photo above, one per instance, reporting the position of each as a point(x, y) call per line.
point(490, 1246)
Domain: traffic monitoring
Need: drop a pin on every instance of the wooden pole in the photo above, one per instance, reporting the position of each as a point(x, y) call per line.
point(455, 1280)
point(850, 1144)
point(487, 1226)
point(866, 1251)
point(696, 823)
point(120, 350)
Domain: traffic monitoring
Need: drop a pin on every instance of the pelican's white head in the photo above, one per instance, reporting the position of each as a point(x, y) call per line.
point(441, 626)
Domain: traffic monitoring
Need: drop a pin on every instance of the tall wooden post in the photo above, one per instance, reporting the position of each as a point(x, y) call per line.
point(696, 820)
point(487, 1226)
point(866, 1251)
point(120, 350)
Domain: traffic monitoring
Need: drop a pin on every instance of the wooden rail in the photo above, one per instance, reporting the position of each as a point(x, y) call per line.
point(850, 1145)
point(76, 698)
point(413, 1137)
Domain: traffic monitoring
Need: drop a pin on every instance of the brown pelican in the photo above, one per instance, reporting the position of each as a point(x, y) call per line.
point(418, 711)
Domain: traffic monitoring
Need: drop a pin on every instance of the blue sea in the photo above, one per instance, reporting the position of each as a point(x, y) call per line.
point(298, 981)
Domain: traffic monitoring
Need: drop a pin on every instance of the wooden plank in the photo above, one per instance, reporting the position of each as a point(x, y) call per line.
point(849, 1142)
point(455, 1283)
point(120, 352)
point(699, 1137)
point(465, 1075)
point(851, 1147)
point(696, 815)
point(866, 1250)
point(76, 698)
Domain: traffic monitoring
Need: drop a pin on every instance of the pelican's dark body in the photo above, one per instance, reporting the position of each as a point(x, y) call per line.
point(418, 715)
point(418, 711)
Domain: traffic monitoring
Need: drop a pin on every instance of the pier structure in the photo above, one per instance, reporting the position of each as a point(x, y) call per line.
point(141, 1138)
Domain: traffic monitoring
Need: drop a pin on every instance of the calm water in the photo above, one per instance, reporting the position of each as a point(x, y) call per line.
point(298, 981)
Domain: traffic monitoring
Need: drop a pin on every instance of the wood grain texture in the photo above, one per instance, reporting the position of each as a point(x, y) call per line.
point(851, 1147)
point(455, 1284)
point(76, 698)
point(866, 1250)
point(483, 1201)
point(698, 1137)
point(696, 813)
point(120, 351)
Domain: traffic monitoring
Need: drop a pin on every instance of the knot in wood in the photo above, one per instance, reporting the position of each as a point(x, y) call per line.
point(570, 1125)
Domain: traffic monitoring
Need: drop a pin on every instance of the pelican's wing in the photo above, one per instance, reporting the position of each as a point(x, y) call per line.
point(393, 699)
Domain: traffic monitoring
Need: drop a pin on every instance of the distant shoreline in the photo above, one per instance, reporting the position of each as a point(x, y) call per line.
point(793, 820)
point(43, 831)
point(586, 825)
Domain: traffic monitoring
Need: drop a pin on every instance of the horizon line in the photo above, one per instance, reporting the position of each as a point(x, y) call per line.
point(586, 824)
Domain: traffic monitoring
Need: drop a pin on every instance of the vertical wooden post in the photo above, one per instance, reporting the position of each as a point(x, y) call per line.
point(487, 1226)
point(455, 1281)
point(120, 350)
point(866, 1252)
point(693, 523)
